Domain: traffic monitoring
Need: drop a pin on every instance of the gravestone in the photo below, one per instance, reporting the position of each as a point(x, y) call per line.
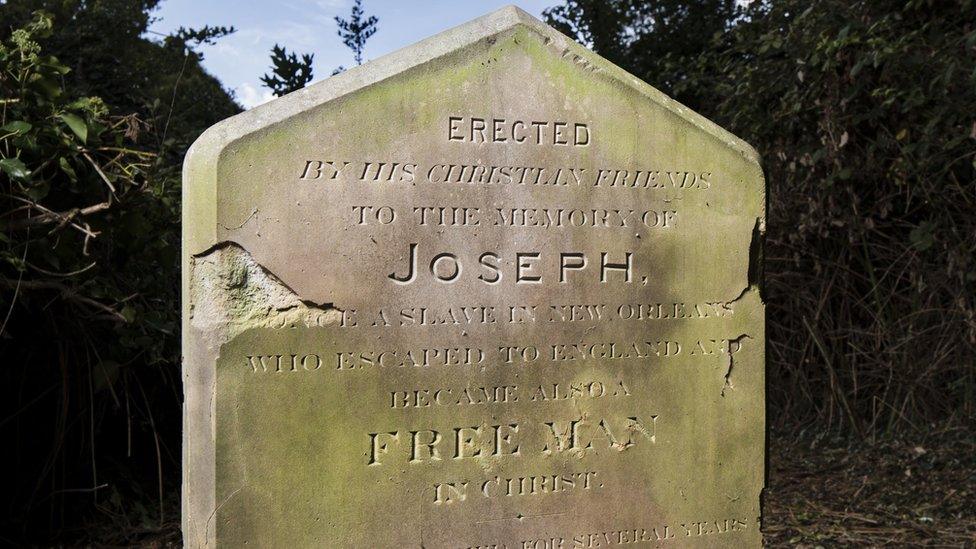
point(486, 291)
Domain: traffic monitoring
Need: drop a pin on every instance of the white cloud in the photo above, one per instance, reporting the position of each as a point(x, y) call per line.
point(251, 96)
point(332, 4)
point(291, 34)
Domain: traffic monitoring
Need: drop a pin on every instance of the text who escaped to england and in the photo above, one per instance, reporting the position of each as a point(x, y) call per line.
point(533, 434)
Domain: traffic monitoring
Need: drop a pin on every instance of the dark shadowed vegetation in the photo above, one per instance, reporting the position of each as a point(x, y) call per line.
point(905, 490)
point(95, 120)
point(863, 115)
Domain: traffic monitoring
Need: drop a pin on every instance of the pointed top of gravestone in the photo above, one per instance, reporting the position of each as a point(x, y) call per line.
point(425, 51)
point(582, 64)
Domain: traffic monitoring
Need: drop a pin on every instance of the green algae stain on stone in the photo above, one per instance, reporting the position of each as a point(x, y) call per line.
point(488, 291)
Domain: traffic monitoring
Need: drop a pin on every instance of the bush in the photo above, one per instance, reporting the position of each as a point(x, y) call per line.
point(89, 262)
point(863, 114)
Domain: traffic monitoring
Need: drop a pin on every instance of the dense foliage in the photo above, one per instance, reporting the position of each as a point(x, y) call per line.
point(94, 121)
point(647, 38)
point(863, 113)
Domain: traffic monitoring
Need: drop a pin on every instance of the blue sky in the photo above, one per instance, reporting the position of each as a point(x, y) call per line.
point(307, 26)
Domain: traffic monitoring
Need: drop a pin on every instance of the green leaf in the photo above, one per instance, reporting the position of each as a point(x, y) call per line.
point(77, 125)
point(96, 129)
point(16, 262)
point(17, 126)
point(53, 64)
point(922, 236)
point(51, 89)
point(39, 191)
point(15, 169)
point(129, 313)
point(67, 169)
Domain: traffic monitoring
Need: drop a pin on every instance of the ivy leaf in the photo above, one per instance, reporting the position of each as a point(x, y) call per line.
point(17, 127)
point(67, 169)
point(129, 313)
point(15, 169)
point(922, 236)
point(76, 124)
point(39, 191)
point(52, 63)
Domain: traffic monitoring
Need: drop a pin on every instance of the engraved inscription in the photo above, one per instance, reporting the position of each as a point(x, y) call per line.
point(503, 130)
point(505, 299)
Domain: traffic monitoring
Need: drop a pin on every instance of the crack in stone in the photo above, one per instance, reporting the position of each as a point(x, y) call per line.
point(252, 215)
point(217, 508)
point(728, 372)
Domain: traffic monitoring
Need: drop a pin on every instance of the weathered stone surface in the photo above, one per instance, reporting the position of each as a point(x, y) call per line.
point(487, 291)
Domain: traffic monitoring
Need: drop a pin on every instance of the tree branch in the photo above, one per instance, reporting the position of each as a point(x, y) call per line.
point(66, 293)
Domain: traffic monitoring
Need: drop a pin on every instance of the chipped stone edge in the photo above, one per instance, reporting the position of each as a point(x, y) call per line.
point(232, 293)
point(200, 230)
